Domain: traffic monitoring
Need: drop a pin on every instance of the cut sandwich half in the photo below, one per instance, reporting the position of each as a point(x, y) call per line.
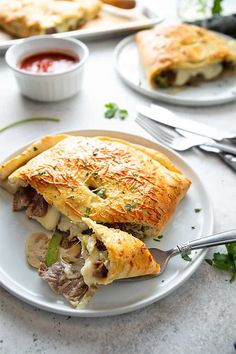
point(73, 267)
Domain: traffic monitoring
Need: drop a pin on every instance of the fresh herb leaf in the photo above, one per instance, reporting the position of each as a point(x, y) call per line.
point(123, 113)
point(217, 7)
point(158, 239)
point(131, 206)
point(53, 249)
point(225, 261)
point(185, 255)
point(101, 193)
point(111, 111)
point(32, 119)
point(41, 173)
point(197, 210)
point(87, 212)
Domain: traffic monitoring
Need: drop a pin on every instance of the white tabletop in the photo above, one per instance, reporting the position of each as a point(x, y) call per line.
point(200, 316)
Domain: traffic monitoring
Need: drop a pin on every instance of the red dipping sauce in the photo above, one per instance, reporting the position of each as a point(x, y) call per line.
point(51, 62)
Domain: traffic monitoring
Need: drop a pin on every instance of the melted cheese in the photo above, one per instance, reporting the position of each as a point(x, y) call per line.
point(209, 72)
point(50, 220)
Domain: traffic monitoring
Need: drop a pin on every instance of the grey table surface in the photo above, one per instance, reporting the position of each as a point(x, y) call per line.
point(200, 316)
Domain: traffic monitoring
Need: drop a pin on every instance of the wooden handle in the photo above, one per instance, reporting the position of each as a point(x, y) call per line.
point(124, 4)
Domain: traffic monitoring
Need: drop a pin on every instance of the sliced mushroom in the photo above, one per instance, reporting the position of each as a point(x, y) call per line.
point(36, 248)
point(71, 254)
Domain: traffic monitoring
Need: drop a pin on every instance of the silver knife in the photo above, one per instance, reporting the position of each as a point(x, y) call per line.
point(165, 116)
point(228, 158)
point(208, 142)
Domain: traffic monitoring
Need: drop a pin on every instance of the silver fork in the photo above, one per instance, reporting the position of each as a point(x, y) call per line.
point(180, 143)
point(163, 257)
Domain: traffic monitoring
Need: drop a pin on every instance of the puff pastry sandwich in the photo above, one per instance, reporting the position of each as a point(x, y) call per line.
point(99, 196)
point(184, 55)
point(24, 18)
point(111, 181)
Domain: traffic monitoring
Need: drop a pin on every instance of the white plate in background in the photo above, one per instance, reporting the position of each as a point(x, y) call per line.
point(129, 68)
point(22, 281)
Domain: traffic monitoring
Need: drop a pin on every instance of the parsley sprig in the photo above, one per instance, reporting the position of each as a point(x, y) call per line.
point(113, 110)
point(225, 261)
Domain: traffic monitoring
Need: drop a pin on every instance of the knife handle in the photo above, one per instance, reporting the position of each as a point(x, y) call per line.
point(230, 160)
point(222, 147)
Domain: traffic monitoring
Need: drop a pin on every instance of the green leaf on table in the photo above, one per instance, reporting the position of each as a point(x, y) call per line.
point(217, 7)
point(225, 261)
point(113, 111)
point(112, 108)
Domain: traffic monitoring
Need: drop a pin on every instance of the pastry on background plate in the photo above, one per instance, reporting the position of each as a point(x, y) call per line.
point(60, 179)
point(184, 54)
point(25, 18)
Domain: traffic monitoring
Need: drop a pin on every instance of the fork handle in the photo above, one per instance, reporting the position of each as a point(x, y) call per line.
point(205, 242)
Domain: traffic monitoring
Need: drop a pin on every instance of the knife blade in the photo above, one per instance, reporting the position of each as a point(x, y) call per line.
point(166, 117)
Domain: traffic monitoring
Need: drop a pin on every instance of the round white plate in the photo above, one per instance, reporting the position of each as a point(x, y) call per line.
point(22, 281)
point(210, 93)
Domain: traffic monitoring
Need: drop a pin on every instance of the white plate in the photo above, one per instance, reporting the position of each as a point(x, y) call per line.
point(211, 93)
point(22, 281)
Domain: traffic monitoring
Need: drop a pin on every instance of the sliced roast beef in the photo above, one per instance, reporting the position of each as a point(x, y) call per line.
point(65, 280)
point(23, 197)
point(100, 271)
point(37, 207)
point(169, 76)
point(100, 245)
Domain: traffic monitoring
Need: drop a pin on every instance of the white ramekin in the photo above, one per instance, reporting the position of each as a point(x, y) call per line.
point(48, 87)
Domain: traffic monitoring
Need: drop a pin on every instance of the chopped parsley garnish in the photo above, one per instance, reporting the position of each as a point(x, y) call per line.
point(225, 261)
point(85, 164)
point(32, 119)
point(158, 239)
point(131, 206)
point(41, 173)
point(101, 193)
point(95, 174)
point(87, 212)
point(123, 113)
point(72, 188)
point(185, 255)
point(197, 210)
point(112, 111)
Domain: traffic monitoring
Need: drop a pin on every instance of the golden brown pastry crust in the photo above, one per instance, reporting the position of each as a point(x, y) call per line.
point(24, 18)
point(181, 46)
point(128, 256)
point(140, 184)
